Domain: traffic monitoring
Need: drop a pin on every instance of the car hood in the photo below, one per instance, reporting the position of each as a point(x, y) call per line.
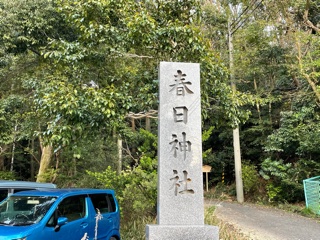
point(12, 232)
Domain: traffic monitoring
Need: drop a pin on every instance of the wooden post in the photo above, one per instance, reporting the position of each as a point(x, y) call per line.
point(236, 135)
point(148, 125)
point(206, 169)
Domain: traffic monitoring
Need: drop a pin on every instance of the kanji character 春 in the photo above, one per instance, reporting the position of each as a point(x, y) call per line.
point(180, 85)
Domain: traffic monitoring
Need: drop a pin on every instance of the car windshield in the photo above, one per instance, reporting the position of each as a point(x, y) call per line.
point(24, 210)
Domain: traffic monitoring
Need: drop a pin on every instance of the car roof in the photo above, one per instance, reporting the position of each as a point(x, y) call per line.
point(63, 192)
point(4, 184)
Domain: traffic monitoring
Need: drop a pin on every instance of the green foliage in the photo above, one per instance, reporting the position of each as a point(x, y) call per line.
point(29, 25)
point(250, 178)
point(149, 144)
point(274, 193)
point(135, 229)
point(92, 153)
point(222, 192)
point(226, 231)
point(306, 168)
point(70, 108)
point(136, 190)
point(11, 117)
point(277, 169)
point(136, 187)
point(284, 183)
point(282, 134)
point(207, 133)
point(149, 32)
point(70, 71)
point(6, 175)
point(298, 134)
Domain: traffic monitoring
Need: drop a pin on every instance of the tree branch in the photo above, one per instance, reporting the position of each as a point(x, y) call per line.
point(306, 18)
point(136, 56)
point(34, 51)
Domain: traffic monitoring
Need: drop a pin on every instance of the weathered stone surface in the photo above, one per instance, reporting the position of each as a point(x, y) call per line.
point(180, 179)
point(180, 148)
point(192, 232)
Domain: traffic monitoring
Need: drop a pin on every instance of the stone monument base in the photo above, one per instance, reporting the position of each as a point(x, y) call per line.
point(182, 232)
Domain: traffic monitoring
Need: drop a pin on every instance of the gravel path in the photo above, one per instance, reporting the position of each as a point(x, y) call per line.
point(263, 223)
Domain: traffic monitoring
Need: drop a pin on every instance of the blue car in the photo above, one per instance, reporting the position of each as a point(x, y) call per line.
point(58, 214)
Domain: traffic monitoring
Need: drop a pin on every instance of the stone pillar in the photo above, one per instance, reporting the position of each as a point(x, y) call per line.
point(180, 180)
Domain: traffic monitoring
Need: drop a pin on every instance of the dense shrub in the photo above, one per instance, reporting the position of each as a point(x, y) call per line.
point(6, 175)
point(136, 186)
point(251, 180)
point(284, 183)
point(136, 190)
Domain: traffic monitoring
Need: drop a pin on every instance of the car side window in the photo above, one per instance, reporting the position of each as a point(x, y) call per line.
point(72, 208)
point(3, 194)
point(112, 202)
point(104, 202)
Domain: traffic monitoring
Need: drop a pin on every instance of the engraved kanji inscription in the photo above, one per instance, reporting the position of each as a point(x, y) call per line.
point(180, 184)
point(180, 84)
point(183, 146)
point(180, 114)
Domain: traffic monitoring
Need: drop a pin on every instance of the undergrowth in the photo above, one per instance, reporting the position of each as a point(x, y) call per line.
point(226, 231)
point(135, 230)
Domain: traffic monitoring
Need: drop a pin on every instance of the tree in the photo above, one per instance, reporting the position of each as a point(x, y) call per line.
point(81, 66)
point(134, 36)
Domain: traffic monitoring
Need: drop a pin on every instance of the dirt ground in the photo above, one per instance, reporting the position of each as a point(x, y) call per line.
point(265, 223)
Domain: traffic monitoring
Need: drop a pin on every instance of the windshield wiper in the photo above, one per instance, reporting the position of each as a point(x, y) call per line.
point(22, 224)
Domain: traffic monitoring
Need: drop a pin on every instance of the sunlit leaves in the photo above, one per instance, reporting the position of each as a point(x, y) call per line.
point(117, 45)
point(27, 25)
point(71, 110)
point(11, 118)
point(298, 134)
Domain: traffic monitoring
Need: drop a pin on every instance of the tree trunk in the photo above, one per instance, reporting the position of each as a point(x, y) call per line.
point(257, 104)
point(45, 161)
point(32, 172)
point(236, 134)
point(2, 163)
point(307, 76)
point(119, 143)
point(306, 18)
point(3, 149)
point(13, 147)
